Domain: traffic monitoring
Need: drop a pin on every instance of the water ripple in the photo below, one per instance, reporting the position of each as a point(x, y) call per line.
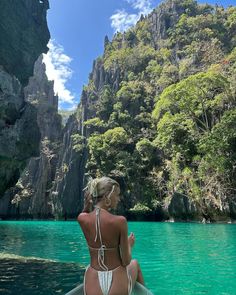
point(176, 258)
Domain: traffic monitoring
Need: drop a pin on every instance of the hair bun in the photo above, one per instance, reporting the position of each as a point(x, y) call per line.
point(92, 187)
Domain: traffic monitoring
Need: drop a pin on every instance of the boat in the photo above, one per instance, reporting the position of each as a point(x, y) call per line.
point(137, 290)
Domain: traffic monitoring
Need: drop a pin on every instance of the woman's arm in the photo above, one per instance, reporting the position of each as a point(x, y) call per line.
point(126, 243)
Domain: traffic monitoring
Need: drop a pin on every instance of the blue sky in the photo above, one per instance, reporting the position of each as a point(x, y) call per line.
point(78, 28)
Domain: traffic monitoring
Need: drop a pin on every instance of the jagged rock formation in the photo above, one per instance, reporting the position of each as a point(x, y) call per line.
point(160, 51)
point(101, 77)
point(23, 37)
point(19, 133)
point(31, 195)
point(113, 130)
point(182, 208)
point(162, 18)
point(51, 184)
point(66, 192)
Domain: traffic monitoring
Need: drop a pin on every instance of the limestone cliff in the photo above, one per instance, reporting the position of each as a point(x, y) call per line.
point(30, 197)
point(163, 49)
point(66, 192)
point(166, 16)
point(176, 41)
point(23, 37)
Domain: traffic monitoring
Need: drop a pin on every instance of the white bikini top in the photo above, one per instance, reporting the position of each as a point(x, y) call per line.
point(105, 276)
point(101, 253)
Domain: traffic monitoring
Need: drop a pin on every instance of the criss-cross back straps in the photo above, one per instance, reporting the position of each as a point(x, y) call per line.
point(101, 253)
point(97, 225)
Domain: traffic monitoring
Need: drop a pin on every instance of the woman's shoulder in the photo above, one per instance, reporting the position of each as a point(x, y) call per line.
point(120, 220)
point(82, 216)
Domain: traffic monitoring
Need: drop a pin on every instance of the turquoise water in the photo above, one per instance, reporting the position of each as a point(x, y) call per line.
point(176, 258)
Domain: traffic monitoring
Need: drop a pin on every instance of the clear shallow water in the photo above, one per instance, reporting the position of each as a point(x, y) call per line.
point(176, 258)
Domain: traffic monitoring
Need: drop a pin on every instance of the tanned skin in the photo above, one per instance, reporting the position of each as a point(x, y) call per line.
point(114, 231)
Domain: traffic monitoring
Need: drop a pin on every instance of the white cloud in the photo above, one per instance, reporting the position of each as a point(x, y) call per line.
point(58, 69)
point(143, 6)
point(122, 20)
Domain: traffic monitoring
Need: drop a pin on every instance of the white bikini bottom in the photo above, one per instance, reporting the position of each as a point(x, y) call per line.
point(105, 280)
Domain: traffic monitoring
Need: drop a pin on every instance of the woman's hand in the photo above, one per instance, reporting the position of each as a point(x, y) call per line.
point(131, 240)
point(88, 203)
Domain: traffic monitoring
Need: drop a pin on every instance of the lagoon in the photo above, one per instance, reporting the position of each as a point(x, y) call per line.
point(47, 257)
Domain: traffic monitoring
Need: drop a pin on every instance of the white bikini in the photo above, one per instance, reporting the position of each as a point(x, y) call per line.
point(105, 276)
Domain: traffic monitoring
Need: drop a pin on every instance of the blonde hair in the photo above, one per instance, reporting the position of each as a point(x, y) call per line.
point(101, 187)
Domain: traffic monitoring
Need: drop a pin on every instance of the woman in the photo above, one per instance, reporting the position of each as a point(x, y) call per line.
point(111, 270)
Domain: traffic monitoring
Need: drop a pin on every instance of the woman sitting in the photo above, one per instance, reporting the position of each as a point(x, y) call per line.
point(111, 270)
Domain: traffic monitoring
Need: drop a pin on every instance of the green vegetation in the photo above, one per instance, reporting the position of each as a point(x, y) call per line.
point(65, 115)
point(165, 121)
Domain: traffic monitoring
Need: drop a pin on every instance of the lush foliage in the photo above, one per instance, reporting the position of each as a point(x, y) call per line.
point(164, 121)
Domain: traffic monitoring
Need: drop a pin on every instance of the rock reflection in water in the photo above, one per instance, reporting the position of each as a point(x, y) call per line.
point(38, 277)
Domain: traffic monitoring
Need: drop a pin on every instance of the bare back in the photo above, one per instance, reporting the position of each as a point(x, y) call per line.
point(114, 237)
point(111, 232)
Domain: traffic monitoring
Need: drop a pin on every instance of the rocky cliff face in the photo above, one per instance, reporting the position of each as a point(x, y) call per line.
point(23, 37)
point(182, 208)
point(52, 182)
point(42, 176)
point(66, 192)
point(31, 195)
point(101, 77)
point(165, 16)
